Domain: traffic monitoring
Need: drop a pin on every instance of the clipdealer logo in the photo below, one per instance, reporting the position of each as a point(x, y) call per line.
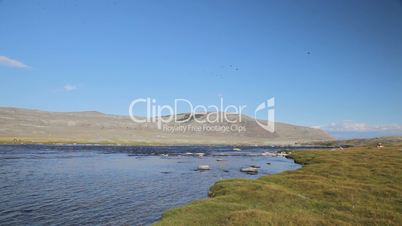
point(166, 117)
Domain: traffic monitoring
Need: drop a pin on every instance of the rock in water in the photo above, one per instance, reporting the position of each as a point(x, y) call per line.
point(249, 170)
point(203, 167)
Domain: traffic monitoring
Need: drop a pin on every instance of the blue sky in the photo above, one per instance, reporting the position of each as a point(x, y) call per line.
point(323, 61)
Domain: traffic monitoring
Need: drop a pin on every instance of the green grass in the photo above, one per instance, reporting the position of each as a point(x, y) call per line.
point(396, 140)
point(356, 186)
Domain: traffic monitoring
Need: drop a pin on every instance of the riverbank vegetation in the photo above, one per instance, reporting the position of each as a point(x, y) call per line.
point(353, 186)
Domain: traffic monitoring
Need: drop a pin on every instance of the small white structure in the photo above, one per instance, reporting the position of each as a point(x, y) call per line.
point(380, 146)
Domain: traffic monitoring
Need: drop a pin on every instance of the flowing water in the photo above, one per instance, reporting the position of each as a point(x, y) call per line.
point(114, 185)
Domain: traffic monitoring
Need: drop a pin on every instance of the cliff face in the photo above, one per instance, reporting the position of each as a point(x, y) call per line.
point(94, 127)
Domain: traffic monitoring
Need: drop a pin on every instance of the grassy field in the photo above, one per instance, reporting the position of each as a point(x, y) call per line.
point(396, 140)
point(354, 186)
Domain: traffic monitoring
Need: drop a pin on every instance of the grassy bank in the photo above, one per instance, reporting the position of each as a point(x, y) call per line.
point(356, 186)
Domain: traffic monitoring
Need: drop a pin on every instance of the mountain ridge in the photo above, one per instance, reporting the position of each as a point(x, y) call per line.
point(37, 126)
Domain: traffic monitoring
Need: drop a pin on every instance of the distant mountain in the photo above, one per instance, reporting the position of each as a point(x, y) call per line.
point(25, 126)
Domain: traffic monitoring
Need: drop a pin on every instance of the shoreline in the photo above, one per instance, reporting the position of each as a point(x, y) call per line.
point(317, 146)
point(322, 191)
point(83, 142)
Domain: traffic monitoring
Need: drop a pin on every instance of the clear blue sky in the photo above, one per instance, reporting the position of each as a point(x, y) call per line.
point(323, 61)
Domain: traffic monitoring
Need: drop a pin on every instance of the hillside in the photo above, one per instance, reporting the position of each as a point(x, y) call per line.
point(26, 126)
